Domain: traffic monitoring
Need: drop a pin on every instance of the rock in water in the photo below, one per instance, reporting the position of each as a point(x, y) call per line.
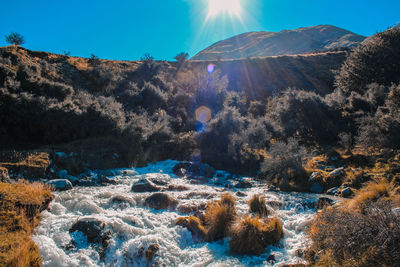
point(144, 185)
point(316, 188)
point(160, 201)
point(151, 252)
point(60, 184)
point(94, 230)
point(324, 202)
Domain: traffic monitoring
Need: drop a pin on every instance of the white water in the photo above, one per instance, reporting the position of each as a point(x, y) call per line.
point(135, 226)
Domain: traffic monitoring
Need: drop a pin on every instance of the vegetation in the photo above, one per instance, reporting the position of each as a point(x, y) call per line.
point(15, 38)
point(20, 207)
point(251, 235)
point(361, 232)
point(257, 205)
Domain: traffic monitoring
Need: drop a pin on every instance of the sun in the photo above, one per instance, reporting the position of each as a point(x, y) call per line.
point(217, 7)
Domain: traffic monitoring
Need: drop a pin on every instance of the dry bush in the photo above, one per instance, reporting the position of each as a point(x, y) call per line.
point(194, 225)
point(257, 205)
point(219, 217)
point(20, 207)
point(251, 235)
point(342, 237)
point(372, 192)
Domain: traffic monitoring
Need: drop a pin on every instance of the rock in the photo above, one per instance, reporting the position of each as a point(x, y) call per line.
point(86, 181)
point(160, 201)
point(60, 184)
point(315, 177)
point(144, 185)
point(128, 173)
point(103, 180)
point(187, 208)
point(107, 172)
point(93, 229)
point(333, 191)
point(316, 188)
point(240, 194)
point(72, 179)
point(336, 172)
point(346, 192)
point(324, 202)
point(180, 168)
point(4, 178)
point(178, 188)
point(271, 259)
point(62, 174)
point(151, 252)
point(193, 170)
point(119, 199)
point(244, 184)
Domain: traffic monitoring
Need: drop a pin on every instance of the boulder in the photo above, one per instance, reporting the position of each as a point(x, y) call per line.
point(244, 184)
point(346, 192)
point(93, 229)
point(160, 201)
point(316, 188)
point(180, 168)
point(60, 184)
point(144, 185)
point(241, 194)
point(315, 177)
point(332, 191)
point(324, 202)
point(103, 180)
point(193, 170)
point(336, 172)
point(62, 174)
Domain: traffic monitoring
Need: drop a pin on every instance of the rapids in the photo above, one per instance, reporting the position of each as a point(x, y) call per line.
point(135, 226)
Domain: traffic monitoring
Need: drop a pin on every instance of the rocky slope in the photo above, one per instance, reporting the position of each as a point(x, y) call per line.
point(287, 42)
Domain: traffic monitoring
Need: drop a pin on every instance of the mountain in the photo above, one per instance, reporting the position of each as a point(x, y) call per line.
point(287, 42)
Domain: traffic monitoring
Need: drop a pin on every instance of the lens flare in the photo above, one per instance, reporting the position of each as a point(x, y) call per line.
point(203, 114)
point(216, 7)
point(210, 68)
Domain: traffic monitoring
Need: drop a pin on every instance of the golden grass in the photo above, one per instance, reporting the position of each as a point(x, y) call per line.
point(219, 217)
point(194, 225)
point(257, 205)
point(20, 207)
point(372, 191)
point(251, 235)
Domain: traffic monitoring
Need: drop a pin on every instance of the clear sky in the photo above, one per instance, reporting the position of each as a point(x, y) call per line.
point(127, 29)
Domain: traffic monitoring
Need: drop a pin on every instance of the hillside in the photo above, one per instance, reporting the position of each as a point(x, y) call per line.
point(286, 42)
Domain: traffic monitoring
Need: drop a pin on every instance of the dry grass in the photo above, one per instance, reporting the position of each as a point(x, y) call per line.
point(219, 217)
point(372, 192)
point(251, 235)
point(257, 205)
point(20, 207)
point(29, 164)
point(194, 225)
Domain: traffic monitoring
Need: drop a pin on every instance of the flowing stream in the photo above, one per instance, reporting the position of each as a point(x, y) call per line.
point(135, 226)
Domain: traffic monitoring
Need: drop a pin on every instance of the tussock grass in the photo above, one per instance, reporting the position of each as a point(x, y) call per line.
point(257, 205)
point(20, 207)
point(251, 235)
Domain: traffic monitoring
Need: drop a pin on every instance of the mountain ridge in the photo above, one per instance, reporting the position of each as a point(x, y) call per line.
point(286, 42)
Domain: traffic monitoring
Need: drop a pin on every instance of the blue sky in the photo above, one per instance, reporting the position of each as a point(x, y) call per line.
point(127, 29)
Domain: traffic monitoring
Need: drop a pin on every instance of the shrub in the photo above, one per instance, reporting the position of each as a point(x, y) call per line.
point(343, 237)
point(371, 192)
point(219, 217)
point(297, 113)
point(370, 61)
point(251, 235)
point(283, 167)
point(257, 205)
point(15, 39)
